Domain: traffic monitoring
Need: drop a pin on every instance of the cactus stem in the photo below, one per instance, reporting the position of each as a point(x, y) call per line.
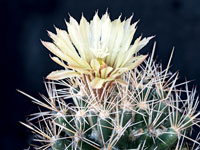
point(89, 128)
point(91, 143)
point(146, 113)
point(119, 131)
point(68, 122)
point(65, 128)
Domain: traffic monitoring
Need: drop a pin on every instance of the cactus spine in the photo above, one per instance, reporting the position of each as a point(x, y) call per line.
point(141, 109)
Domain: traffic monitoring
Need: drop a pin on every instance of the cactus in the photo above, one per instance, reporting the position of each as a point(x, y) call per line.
point(119, 100)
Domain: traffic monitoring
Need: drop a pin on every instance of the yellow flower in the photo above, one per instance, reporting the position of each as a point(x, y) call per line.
point(100, 49)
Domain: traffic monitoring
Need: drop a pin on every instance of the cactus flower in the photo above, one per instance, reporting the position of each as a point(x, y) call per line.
point(100, 49)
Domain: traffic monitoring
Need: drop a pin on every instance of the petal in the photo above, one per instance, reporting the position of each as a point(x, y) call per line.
point(97, 83)
point(95, 27)
point(80, 69)
point(65, 42)
point(134, 47)
point(129, 32)
point(51, 47)
point(62, 74)
point(84, 30)
point(86, 36)
point(70, 57)
point(68, 51)
point(120, 36)
point(143, 42)
point(75, 36)
point(130, 52)
point(117, 72)
point(61, 63)
point(105, 30)
point(117, 43)
point(120, 60)
point(105, 72)
point(58, 61)
point(95, 65)
point(139, 60)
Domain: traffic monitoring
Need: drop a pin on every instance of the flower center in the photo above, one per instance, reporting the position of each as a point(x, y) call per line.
point(101, 62)
point(99, 51)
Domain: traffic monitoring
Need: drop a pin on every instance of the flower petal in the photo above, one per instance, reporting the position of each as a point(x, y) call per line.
point(105, 30)
point(95, 27)
point(65, 46)
point(129, 53)
point(75, 36)
point(51, 47)
point(62, 74)
point(80, 69)
point(97, 83)
point(86, 37)
point(77, 68)
point(95, 66)
point(70, 59)
point(105, 72)
point(58, 61)
point(143, 42)
point(139, 60)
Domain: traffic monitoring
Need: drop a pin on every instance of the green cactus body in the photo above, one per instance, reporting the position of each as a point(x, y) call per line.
point(67, 123)
point(62, 144)
point(92, 116)
point(86, 145)
point(105, 128)
point(123, 141)
point(141, 118)
point(144, 137)
point(165, 141)
point(125, 116)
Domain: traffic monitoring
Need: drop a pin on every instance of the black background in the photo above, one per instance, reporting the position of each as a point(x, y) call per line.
point(25, 62)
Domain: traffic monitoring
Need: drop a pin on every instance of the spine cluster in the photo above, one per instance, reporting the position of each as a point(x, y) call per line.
point(149, 111)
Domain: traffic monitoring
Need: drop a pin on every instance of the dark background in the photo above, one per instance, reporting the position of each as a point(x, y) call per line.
point(25, 62)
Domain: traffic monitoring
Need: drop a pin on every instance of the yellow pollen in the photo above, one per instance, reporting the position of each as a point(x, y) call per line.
point(101, 62)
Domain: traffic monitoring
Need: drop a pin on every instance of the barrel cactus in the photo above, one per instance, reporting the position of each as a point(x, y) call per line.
point(108, 96)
